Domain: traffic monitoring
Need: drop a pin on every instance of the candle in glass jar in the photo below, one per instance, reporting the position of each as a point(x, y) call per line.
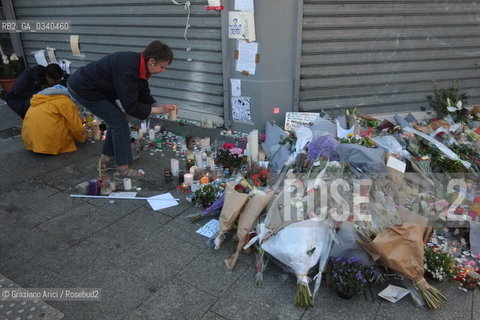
point(157, 128)
point(151, 134)
point(188, 179)
point(198, 160)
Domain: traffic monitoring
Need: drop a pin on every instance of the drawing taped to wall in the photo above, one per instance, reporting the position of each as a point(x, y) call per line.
point(241, 109)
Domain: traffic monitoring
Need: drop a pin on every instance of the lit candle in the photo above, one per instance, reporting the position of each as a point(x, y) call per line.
point(204, 180)
point(174, 165)
point(198, 160)
point(188, 179)
point(151, 134)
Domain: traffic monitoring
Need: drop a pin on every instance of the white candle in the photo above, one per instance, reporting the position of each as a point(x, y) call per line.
point(127, 184)
point(205, 142)
point(174, 164)
point(253, 146)
point(143, 126)
point(172, 115)
point(97, 134)
point(194, 185)
point(187, 179)
point(198, 160)
point(211, 163)
point(151, 134)
point(157, 128)
point(140, 133)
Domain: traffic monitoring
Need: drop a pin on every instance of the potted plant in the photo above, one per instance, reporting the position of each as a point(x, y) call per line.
point(348, 276)
point(10, 69)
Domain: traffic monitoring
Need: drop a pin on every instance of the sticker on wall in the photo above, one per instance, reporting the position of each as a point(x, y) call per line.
point(241, 109)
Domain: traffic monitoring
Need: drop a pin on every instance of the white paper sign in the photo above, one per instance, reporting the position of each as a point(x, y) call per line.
point(343, 133)
point(236, 85)
point(241, 109)
point(244, 5)
point(396, 164)
point(162, 201)
point(123, 194)
point(241, 25)
point(75, 46)
point(210, 229)
point(65, 65)
point(393, 293)
point(40, 57)
point(247, 52)
point(295, 120)
point(51, 55)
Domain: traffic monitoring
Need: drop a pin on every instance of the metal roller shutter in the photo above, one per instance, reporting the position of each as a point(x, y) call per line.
point(382, 56)
point(107, 26)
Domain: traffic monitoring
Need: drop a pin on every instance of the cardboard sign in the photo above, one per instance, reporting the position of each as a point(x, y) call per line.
point(294, 120)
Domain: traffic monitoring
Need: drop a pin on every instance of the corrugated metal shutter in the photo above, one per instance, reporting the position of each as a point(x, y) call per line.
point(383, 55)
point(107, 26)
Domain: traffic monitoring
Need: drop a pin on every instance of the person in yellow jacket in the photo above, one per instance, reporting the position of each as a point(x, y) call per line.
point(52, 123)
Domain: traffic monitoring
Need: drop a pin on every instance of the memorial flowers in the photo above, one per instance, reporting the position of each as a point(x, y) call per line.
point(11, 66)
point(348, 276)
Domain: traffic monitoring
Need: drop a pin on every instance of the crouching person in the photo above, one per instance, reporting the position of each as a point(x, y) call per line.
point(52, 124)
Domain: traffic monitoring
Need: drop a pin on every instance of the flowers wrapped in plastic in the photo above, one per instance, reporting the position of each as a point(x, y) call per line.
point(257, 202)
point(300, 247)
point(401, 248)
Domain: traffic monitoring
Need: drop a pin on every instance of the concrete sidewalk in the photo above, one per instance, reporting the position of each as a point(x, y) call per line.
point(149, 265)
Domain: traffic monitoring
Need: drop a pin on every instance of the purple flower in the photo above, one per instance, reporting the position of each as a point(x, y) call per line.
point(236, 151)
point(325, 146)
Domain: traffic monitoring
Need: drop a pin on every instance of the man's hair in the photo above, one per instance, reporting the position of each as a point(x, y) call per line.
point(54, 71)
point(158, 51)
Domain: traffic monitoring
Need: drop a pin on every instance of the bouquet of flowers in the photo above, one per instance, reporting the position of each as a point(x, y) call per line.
point(438, 264)
point(206, 194)
point(230, 156)
point(301, 246)
point(401, 248)
point(348, 276)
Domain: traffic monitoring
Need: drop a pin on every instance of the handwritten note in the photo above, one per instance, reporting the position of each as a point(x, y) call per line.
point(236, 85)
point(210, 229)
point(40, 57)
point(295, 120)
point(247, 52)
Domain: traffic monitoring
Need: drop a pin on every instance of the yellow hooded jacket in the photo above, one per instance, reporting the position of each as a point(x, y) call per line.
point(51, 125)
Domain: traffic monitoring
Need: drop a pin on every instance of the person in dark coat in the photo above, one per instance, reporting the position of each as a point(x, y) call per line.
point(123, 76)
point(30, 82)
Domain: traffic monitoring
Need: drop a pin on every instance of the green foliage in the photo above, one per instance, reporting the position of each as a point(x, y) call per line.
point(206, 194)
point(441, 96)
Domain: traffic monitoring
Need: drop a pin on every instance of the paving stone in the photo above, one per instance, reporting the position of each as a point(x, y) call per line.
point(186, 232)
point(121, 292)
point(79, 223)
point(209, 273)
point(458, 306)
point(327, 305)
point(212, 316)
point(67, 177)
point(274, 300)
point(125, 231)
point(156, 257)
point(175, 300)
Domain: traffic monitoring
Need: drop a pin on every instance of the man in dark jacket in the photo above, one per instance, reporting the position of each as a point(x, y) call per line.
point(122, 76)
point(30, 82)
